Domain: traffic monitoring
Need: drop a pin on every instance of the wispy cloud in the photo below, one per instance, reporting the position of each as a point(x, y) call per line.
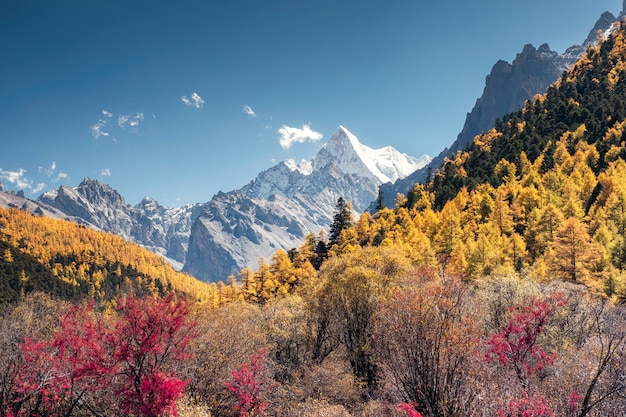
point(122, 120)
point(49, 171)
point(125, 120)
point(135, 121)
point(20, 181)
point(264, 121)
point(53, 173)
point(194, 101)
point(248, 110)
point(38, 188)
point(290, 135)
point(98, 129)
point(106, 172)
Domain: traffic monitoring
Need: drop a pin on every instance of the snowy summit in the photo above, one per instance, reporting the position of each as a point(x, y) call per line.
point(344, 150)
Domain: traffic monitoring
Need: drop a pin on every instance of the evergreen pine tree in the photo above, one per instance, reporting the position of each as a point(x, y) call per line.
point(380, 200)
point(341, 220)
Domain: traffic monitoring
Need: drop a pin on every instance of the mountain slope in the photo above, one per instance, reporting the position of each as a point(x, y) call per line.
point(75, 262)
point(586, 105)
point(160, 229)
point(507, 88)
point(287, 202)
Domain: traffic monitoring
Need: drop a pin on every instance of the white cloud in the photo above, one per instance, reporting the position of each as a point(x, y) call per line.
point(17, 178)
point(20, 181)
point(194, 101)
point(52, 173)
point(40, 186)
point(102, 128)
point(138, 118)
point(60, 176)
point(122, 120)
point(125, 120)
point(106, 172)
point(49, 171)
point(248, 110)
point(290, 135)
point(97, 129)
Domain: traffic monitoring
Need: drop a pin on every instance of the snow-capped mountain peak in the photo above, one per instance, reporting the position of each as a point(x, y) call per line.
point(342, 154)
point(303, 167)
point(344, 150)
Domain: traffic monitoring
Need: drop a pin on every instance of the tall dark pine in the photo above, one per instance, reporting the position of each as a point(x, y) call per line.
point(380, 200)
point(341, 220)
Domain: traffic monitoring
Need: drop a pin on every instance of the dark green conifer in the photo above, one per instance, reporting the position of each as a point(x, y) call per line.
point(341, 220)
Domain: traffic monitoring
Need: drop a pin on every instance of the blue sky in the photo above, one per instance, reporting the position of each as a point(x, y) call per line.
point(179, 100)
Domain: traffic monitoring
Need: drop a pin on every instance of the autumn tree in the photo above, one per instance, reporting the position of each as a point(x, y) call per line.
point(250, 287)
point(283, 271)
point(566, 348)
point(250, 385)
point(449, 234)
point(502, 215)
point(573, 250)
point(227, 337)
point(149, 336)
point(527, 406)
point(265, 280)
point(62, 373)
point(598, 387)
point(424, 343)
point(315, 249)
point(409, 409)
point(352, 287)
point(34, 318)
point(516, 346)
point(543, 224)
point(125, 363)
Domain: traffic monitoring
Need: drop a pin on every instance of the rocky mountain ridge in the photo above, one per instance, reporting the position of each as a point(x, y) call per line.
point(162, 230)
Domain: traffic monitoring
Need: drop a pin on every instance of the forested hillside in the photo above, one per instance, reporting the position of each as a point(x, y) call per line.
point(543, 191)
point(495, 290)
point(587, 105)
point(74, 262)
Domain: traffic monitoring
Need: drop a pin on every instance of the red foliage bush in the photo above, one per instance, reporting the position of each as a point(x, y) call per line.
point(126, 360)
